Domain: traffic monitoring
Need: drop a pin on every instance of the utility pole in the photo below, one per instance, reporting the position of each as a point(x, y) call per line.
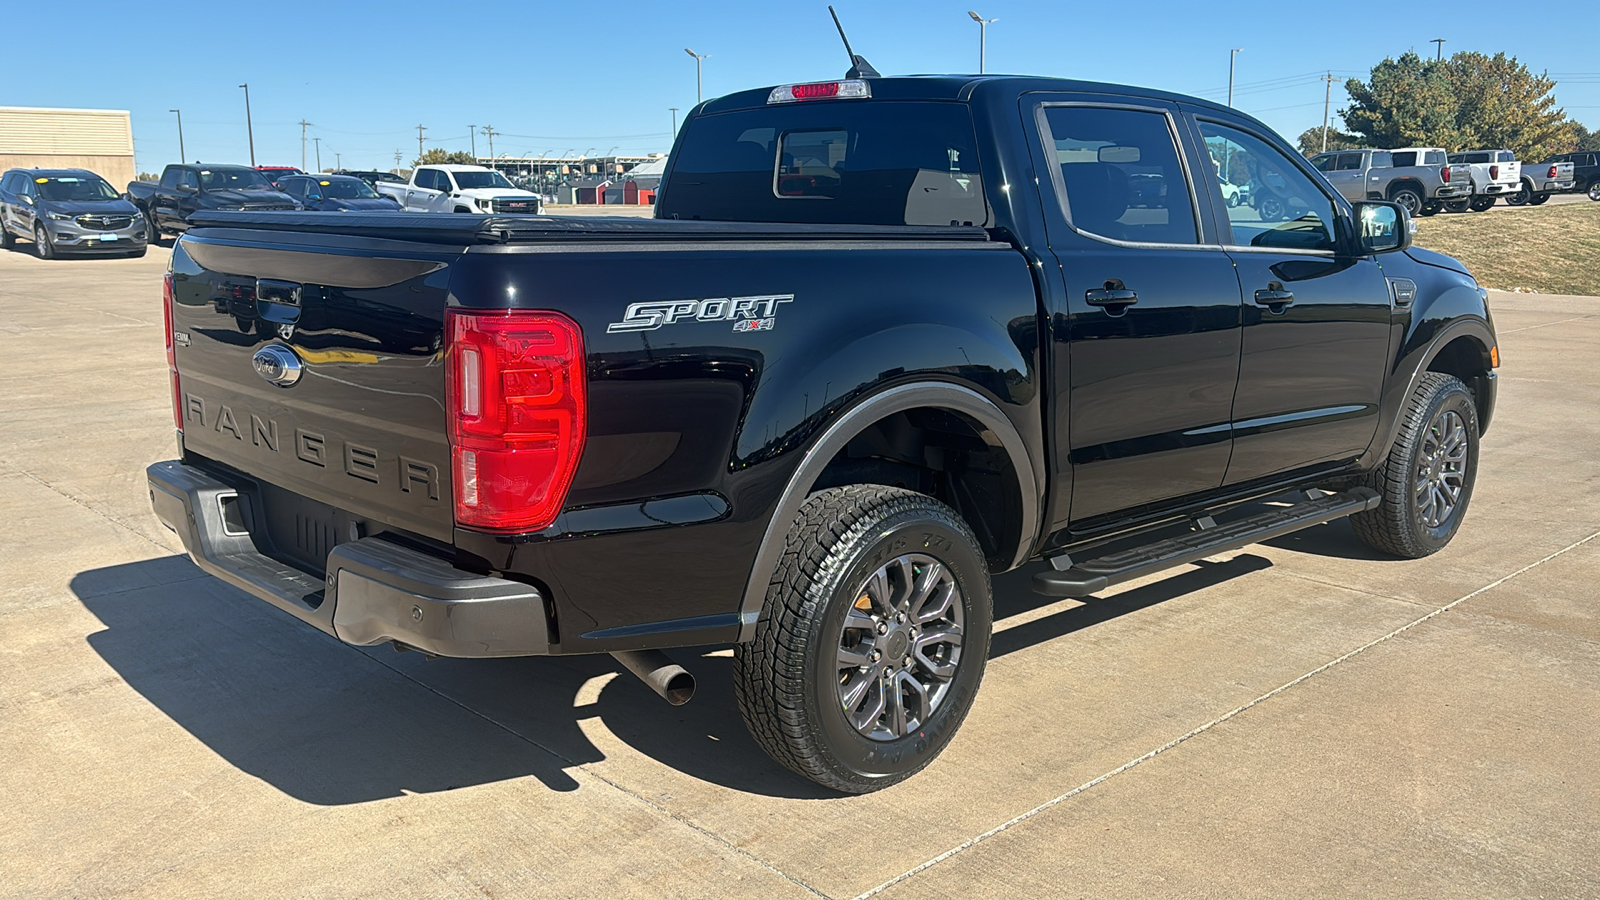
point(318, 142)
point(181, 155)
point(250, 128)
point(338, 160)
point(472, 133)
point(420, 130)
point(1231, 54)
point(674, 120)
point(303, 124)
point(397, 157)
point(1438, 48)
point(983, 36)
point(489, 132)
point(1327, 100)
point(699, 82)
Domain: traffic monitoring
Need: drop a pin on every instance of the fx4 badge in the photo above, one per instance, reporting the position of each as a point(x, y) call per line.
point(746, 313)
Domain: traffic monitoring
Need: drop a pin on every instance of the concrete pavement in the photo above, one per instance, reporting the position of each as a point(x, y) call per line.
point(1295, 719)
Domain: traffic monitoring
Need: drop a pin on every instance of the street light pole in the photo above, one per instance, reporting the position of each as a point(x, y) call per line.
point(472, 133)
point(1231, 54)
point(699, 89)
point(181, 155)
point(1438, 48)
point(983, 36)
point(250, 128)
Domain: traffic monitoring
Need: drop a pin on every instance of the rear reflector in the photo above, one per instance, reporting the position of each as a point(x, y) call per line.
point(819, 90)
point(515, 392)
point(172, 356)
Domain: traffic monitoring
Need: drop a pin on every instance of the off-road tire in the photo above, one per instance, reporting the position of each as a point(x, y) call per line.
point(1396, 526)
point(787, 679)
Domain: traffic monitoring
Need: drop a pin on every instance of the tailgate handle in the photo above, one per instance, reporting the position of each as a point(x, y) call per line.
point(278, 301)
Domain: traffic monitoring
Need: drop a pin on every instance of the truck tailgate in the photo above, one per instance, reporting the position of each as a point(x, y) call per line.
point(361, 427)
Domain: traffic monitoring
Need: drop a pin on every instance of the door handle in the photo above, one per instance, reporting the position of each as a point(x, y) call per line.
point(1111, 297)
point(1275, 299)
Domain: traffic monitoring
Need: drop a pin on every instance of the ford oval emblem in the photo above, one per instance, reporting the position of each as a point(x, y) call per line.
point(277, 364)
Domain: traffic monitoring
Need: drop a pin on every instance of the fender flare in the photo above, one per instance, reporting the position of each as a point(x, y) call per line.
point(1474, 328)
point(841, 431)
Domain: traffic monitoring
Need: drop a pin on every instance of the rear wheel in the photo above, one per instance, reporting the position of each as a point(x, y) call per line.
point(1426, 482)
point(1538, 199)
point(874, 640)
point(1482, 204)
point(42, 247)
point(1457, 206)
point(1409, 199)
point(1523, 195)
point(1431, 208)
point(1270, 208)
point(1594, 189)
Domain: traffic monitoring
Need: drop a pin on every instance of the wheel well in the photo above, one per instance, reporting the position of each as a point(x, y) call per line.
point(945, 455)
point(1468, 360)
point(1396, 186)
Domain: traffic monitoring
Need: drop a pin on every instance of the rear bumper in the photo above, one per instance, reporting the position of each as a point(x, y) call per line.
point(375, 591)
point(1453, 192)
point(1497, 188)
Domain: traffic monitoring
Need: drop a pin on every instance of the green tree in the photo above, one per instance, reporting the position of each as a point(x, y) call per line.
point(1587, 140)
point(1468, 101)
point(439, 156)
point(1310, 142)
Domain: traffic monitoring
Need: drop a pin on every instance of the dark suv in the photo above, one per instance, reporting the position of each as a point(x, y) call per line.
point(68, 211)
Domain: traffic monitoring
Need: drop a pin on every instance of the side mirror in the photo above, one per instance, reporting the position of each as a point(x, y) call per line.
point(28, 199)
point(1382, 227)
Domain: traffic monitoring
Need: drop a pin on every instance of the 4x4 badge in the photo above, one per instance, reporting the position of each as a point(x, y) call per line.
point(758, 313)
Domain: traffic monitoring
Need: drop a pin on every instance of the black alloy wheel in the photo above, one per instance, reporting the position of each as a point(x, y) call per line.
point(1594, 189)
point(1522, 196)
point(1539, 199)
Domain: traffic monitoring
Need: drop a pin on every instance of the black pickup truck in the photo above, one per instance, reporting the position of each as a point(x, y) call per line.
point(186, 189)
point(885, 338)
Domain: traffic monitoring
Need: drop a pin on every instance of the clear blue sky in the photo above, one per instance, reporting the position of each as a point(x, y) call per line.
point(554, 77)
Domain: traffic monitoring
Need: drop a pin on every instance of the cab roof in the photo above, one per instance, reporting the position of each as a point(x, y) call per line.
point(963, 88)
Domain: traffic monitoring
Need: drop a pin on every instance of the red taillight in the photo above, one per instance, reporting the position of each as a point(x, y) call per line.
point(172, 356)
point(516, 395)
point(815, 91)
point(1444, 174)
point(1552, 172)
point(820, 90)
point(1494, 172)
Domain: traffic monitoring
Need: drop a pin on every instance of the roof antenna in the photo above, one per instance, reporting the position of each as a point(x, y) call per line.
point(859, 67)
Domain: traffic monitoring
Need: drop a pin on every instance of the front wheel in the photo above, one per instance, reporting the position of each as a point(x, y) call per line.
point(1426, 482)
point(6, 240)
point(1233, 201)
point(42, 247)
point(1409, 200)
point(873, 642)
point(151, 226)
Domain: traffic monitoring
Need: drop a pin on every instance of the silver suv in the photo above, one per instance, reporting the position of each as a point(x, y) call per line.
point(68, 211)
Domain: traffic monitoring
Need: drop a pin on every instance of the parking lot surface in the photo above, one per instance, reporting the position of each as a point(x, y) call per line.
point(1304, 718)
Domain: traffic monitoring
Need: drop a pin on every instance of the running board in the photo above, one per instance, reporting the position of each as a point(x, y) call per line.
point(1095, 575)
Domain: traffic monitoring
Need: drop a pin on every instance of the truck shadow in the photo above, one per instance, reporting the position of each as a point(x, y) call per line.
point(330, 724)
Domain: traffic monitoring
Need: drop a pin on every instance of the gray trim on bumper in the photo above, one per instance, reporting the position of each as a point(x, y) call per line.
point(376, 591)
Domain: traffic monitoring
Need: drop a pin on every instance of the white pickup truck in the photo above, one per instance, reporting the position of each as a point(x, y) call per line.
point(461, 189)
point(1495, 174)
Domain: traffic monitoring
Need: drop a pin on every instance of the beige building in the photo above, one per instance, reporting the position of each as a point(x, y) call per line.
point(100, 140)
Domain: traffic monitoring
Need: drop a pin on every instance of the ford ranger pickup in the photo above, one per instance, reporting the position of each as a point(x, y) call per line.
point(885, 339)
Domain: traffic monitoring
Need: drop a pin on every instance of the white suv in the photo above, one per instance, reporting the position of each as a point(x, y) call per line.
point(462, 189)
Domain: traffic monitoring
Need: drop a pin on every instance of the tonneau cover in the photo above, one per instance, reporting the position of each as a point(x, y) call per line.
point(461, 228)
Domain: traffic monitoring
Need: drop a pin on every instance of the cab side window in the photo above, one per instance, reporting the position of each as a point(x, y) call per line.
point(1121, 175)
point(1286, 209)
point(188, 179)
point(169, 178)
point(424, 179)
point(1349, 161)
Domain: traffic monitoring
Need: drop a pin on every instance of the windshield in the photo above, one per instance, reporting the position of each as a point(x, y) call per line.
point(346, 189)
point(852, 162)
point(233, 180)
point(468, 180)
point(74, 187)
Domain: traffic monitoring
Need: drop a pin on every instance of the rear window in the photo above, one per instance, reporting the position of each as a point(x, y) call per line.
point(849, 162)
point(1469, 157)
